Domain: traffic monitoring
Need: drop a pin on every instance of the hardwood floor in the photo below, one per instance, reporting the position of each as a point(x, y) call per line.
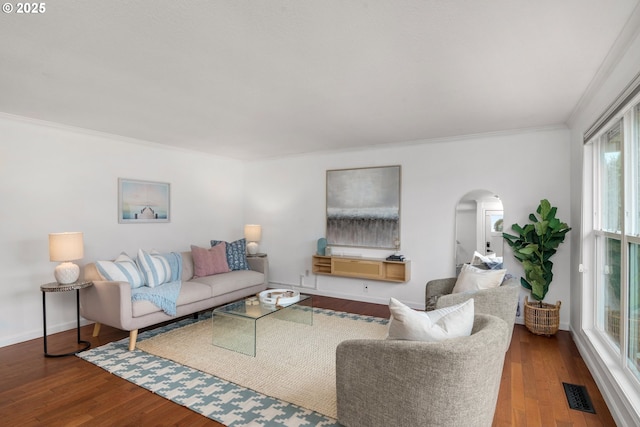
point(39, 391)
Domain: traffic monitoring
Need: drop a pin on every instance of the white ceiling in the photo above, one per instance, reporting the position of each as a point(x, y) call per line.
point(258, 79)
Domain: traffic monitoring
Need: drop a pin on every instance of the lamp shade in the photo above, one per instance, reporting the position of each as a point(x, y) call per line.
point(252, 232)
point(66, 246)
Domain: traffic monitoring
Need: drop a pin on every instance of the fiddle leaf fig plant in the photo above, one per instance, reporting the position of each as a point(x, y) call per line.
point(535, 244)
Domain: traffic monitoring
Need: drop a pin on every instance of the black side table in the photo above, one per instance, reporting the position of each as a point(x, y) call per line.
point(56, 287)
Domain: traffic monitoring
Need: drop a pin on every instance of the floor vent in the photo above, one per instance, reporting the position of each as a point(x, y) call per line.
point(578, 398)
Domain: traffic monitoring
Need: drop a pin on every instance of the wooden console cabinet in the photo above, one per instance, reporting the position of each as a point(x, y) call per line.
point(362, 268)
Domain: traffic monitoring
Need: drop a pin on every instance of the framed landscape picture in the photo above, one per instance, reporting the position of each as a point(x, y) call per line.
point(363, 207)
point(143, 201)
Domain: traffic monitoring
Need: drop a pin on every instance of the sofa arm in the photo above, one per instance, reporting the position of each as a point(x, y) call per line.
point(435, 289)
point(261, 265)
point(410, 383)
point(107, 303)
point(383, 382)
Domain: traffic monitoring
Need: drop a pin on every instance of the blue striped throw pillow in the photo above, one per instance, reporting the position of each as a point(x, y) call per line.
point(122, 269)
point(155, 268)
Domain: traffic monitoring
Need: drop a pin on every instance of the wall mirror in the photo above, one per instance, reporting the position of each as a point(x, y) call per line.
point(479, 224)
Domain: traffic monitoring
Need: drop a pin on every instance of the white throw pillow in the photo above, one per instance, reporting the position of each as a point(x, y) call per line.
point(478, 258)
point(473, 279)
point(155, 268)
point(432, 326)
point(122, 269)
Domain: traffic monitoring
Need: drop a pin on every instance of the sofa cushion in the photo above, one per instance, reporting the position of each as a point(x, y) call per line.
point(155, 268)
point(473, 279)
point(190, 292)
point(207, 262)
point(433, 326)
point(236, 253)
point(122, 269)
point(221, 284)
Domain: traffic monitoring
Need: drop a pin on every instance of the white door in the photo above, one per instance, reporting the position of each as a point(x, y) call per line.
point(493, 232)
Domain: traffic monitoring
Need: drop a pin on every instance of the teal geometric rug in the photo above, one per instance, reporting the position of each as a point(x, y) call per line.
point(217, 399)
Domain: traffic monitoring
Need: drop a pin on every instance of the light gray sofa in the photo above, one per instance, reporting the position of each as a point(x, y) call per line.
point(451, 383)
point(110, 303)
point(501, 301)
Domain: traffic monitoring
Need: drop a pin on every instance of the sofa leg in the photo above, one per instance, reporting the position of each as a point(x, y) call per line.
point(133, 336)
point(96, 329)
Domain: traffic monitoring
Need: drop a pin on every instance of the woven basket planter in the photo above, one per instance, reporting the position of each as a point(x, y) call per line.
point(541, 318)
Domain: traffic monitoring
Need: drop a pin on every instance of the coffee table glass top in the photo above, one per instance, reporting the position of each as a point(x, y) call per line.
point(255, 310)
point(234, 324)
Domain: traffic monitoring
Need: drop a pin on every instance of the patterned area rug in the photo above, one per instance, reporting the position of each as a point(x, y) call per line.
point(224, 400)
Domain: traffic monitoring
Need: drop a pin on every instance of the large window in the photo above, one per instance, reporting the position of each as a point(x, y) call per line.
point(616, 235)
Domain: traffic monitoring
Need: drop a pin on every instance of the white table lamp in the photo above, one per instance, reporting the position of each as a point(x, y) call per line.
point(252, 233)
point(66, 247)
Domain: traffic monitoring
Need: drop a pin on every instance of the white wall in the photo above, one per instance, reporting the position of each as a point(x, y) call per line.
point(287, 196)
point(56, 179)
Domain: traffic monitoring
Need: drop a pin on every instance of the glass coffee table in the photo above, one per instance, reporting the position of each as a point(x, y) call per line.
point(234, 324)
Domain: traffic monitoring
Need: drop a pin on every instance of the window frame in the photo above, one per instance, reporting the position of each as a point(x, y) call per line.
point(593, 321)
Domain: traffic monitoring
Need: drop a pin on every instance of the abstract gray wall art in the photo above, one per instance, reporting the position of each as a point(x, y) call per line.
point(363, 207)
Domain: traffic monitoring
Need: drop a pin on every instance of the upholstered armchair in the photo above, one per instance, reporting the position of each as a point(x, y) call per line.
point(382, 383)
point(501, 301)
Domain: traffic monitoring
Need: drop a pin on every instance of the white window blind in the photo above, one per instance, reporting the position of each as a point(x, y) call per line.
point(616, 106)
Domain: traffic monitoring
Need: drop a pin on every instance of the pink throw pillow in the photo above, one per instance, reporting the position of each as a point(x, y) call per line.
point(207, 262)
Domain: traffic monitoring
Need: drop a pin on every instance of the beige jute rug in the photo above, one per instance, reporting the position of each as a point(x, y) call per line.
point(294, 362)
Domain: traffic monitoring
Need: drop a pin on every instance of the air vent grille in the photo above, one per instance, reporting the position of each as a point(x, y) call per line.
point(578, 398)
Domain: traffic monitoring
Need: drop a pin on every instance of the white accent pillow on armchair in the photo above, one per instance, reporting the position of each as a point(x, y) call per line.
point(433, 326)
point(474, 279)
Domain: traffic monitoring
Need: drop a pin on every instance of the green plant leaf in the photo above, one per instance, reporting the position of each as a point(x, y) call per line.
point(509, 237)
point(541, 227)
point(544, 208)
point(518, 229)
point(528, 250)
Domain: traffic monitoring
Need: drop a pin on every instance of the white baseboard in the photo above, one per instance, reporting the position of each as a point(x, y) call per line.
point(622, 397)
point(38, 333)
point(352, 297)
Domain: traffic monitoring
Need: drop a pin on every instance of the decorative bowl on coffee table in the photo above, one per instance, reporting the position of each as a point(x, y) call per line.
point(279, 297)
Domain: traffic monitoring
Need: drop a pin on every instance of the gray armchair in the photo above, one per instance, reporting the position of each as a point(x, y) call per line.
point(454, 383)
point(501, 301)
